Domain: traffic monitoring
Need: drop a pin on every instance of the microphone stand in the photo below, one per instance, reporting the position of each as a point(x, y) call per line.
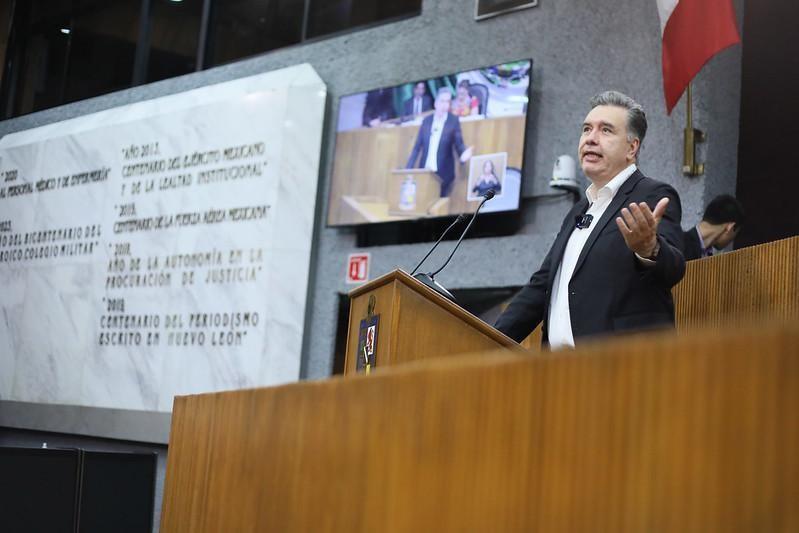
point(429, 279)
point(458, 220)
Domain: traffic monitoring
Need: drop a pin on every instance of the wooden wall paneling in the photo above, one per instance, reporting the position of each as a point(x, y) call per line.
point(748, 284)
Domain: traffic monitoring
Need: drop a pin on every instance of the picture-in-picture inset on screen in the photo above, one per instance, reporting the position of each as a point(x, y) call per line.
point(487, 173)
point(419, 149)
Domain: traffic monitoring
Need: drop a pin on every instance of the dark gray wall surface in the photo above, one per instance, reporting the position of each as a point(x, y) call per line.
point(579, 48)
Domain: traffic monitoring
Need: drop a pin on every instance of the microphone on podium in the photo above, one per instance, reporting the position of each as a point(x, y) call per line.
point(458, 220)
point(429, 279)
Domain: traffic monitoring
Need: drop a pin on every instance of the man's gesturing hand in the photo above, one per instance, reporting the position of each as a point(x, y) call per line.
point(638, 225)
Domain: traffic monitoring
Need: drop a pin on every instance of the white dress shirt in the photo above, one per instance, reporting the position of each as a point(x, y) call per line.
point(436, 130)
point(560, 325)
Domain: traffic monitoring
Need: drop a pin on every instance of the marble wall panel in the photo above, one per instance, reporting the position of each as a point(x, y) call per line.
point(162, 247)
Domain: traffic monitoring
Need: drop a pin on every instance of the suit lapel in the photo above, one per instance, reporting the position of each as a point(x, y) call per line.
point(427, 132)
point(449, 125)
point(559, 245)
point(610, 214)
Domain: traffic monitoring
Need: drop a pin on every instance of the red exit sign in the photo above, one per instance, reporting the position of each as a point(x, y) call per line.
point(357, 268)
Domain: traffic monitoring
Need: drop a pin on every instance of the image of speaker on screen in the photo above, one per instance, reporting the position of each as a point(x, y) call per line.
point(486, 173)
point(435, 127)
point(437, 141)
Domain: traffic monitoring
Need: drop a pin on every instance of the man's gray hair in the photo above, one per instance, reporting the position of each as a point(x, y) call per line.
point(443, 90)
point(636, 118)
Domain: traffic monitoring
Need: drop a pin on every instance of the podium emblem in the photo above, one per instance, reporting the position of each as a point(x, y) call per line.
point(366, 358)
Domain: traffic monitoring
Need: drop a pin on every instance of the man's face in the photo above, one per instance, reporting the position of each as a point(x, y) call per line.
point(418, 90)
point(442, 103)
point(604, 150)
point(726, 237)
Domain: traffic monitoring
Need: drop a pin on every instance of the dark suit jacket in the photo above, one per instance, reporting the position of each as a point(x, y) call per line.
point(692, 248)
point(451, 138)
point(407, 105)
point(610, 290)
point(379, 104)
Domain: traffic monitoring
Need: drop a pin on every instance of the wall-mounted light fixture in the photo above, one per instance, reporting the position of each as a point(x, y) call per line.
point(691, 136)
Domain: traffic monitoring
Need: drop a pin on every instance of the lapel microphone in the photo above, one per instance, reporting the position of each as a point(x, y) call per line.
point(583, 221)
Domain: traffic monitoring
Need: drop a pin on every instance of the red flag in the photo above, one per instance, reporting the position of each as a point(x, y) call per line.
point(693, 32)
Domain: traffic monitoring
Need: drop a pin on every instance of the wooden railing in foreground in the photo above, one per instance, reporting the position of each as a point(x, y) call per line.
point(748, 284)
point(693, 432)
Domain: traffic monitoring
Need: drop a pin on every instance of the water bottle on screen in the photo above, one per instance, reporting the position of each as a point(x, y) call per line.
point(408, 194)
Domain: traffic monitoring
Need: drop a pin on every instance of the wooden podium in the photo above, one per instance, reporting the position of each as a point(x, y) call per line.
point(414, 322)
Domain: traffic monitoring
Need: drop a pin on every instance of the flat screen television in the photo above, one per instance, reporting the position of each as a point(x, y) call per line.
point(431, 148)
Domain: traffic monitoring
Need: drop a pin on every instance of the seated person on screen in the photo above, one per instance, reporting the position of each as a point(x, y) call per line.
point(487, 181)
point(465, 104)
point(418, 103)
point(721, 222)
point(379, 107)
point(439, 135)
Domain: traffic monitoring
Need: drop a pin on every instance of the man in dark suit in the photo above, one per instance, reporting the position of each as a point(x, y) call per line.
point(618, 252)
point(379, 107)
point(721, 222)
point(438, 136)
point(418, 103)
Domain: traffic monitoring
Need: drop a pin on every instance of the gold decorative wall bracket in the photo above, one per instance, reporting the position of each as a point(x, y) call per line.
point(691, 136)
